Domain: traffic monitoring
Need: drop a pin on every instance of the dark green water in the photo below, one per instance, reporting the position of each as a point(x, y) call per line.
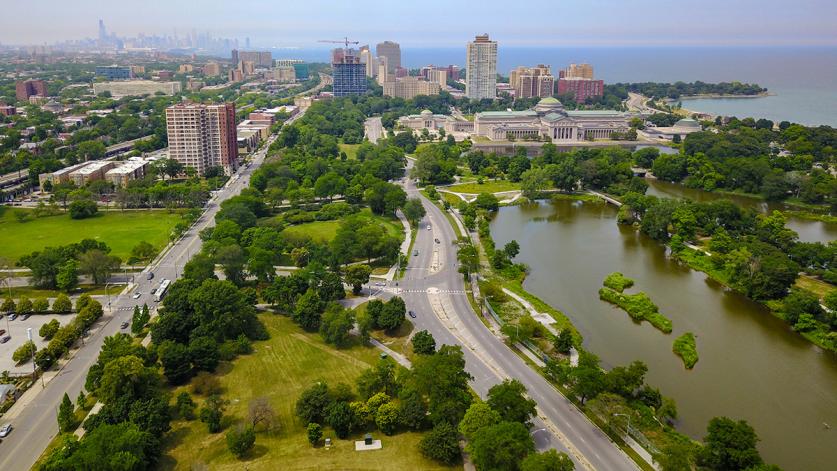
point(752, 366)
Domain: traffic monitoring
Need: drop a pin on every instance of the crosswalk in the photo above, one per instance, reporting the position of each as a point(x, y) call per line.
point(432, 291)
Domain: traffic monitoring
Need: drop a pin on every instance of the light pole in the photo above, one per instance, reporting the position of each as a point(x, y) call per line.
point(107, 293)
point(34, 368)
point(628, 430)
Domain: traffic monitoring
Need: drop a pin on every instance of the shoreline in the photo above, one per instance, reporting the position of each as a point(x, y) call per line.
point(721, 96)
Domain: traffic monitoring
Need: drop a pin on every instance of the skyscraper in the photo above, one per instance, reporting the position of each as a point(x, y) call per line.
point(481, 68)
point(349, 73)
point(203, 136)
point(103, 33)
point(392, 51)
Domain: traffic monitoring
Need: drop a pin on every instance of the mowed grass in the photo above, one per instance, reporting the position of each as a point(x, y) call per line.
point(324, 231)
point(492, 186)
point(349, 149)
point(818, 287)
point(120, 230)
point(280, 369)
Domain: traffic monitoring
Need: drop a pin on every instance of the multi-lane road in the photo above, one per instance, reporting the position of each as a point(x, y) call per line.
point(434, 289)
point(36, 425)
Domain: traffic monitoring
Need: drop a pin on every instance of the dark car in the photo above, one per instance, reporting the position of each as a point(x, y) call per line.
point(412, 314)
point(124, 325)
point(437, 241)
point(149, 276)
point(2, 331)
point(25, 316)
point(5, 339)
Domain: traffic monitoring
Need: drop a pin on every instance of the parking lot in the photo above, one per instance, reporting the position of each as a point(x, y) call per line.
point(17, 330)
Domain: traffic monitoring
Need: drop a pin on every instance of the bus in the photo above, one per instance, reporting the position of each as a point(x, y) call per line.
point(161, 291)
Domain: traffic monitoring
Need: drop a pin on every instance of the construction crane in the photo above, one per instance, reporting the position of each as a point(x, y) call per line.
point(345, 41)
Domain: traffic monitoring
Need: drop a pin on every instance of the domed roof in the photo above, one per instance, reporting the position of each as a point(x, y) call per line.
point(426, 113)
point(549, 101)
point(549, 105)
point(687, 123)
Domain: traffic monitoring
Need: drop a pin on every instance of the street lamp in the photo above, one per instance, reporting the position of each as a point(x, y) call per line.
point(107, 292)
point(34, 368)
point(628, 430)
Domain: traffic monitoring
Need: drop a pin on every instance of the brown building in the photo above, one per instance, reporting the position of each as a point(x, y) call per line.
point(165, 74)
point(212, 69)
point(582, 71)
point(27, 88)
point(580, 88)
point(7, 110)
point(529, 82)
point(203, 136)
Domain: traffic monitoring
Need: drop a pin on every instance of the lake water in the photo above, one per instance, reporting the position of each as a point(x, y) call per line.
point(752, 365)
point(801, 77)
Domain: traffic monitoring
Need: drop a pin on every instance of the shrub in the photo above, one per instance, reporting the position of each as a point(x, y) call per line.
point(315, 433)
point(62, 304)
point(24, 352)
point(83, 209)
point(40, 305)
point(638, 306)
point(24, 305)
point(618, 282)
point(684, 347)
point(206, 384)
point(48, 330)
point(240, 440)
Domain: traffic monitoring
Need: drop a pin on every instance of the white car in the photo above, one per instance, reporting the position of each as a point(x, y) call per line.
point(5, 430)
point(428, 227)
point(136, 295)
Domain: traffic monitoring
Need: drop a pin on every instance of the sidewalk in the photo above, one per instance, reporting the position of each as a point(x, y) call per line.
point(545, 319)
point(405, 244)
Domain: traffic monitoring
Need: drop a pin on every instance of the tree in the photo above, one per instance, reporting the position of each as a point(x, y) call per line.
point(564, 341)
point(387, 418)
point(339, 416)
point(201, 267)
point(587, 380)
point(98, 265)
point(676, 456)
point(67, 277)
point(478, 416)
point(308, 309)
point(261, 412)
point(413, 210)
point(380, 379)
point(423, 343)
point(534, 181)
point(49, 329)
point(203, 352)
point(357, 276)
point(393, 314)
point(40, 305)
point(315, 433)
point(24, 352)
point(83, 209)
point(212, 412)
point(233, 259)
point(512, 248)
point(24, 305)
point(240, 440)
point(62, 304)
point(313, 402)
point(501, 446)
point(509, 400)
point(176, 361)
point(185, 406)
point(550, 460)
point(335, 325)
point(729, 445)
point(122, 446)
point(487, 201)
point(441, 444)
point(142, 251)
point(9, 305)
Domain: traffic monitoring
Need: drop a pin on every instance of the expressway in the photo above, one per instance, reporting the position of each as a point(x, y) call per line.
point(434, 290)
point(36, 425)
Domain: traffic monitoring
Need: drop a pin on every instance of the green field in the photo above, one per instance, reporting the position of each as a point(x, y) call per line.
point(280, 369)
point(349, 149)
point(120, 230)
point(324, 231)
point(492, 186)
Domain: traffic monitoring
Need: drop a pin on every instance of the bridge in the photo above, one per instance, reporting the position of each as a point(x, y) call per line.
point(609, 199)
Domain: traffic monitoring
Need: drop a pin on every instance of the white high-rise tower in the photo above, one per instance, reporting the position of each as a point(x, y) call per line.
point(481, 68)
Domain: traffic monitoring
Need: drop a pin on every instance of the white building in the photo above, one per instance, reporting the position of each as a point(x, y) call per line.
point(136, 87)
point(481, 68)
point(682, 128)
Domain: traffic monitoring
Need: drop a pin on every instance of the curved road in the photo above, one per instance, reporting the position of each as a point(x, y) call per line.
point(434, 290)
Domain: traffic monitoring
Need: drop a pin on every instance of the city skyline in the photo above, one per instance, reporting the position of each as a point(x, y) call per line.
point(597, 22)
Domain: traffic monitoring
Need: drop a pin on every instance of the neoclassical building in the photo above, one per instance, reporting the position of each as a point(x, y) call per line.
point(550, 119)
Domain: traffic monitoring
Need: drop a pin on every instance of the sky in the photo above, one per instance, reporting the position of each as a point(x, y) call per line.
point(435, 23)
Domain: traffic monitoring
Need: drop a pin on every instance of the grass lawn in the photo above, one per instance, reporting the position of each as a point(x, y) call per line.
point(120, 230)
point(818, 287)
point(324, 231)
point(280, 369)
point(349, 149)
point(489, 186)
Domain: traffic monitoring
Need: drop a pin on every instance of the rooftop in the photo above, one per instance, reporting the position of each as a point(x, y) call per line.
point(508, 114)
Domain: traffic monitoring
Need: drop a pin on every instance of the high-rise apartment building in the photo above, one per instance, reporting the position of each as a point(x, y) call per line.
point(349, 73)
point(369, 61)
point(528, 82)
point(451, 72)
point(582, 71)
point(203, 136)
point(580, 88)
point(258, 58)
point(27, 88)
point(212, 69)
point(392, 51)
point(481, 68)
point(383, 75)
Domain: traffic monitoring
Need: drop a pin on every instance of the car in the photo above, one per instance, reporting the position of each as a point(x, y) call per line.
point(136, 295)
point(5, 339)
point(25, 316)
point(412, 314)
point(429, 227)
point(149, 276)
point(437, 241)
point(153, 290)
point(12, 316)
point(5, 430)
point(124, 325)
point(380, 283)
point(2, 331)
point(415, 253)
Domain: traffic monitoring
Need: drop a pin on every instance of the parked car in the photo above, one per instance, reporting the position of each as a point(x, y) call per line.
point(5, 339)
point(25, 316)
point(412, 314)
point(12, 317)
point(415, 253)
point(136, 295)
point(2, 331)
point(5, 430)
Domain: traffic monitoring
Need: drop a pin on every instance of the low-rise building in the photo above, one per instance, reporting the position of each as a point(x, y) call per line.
point(681, 128)
point(164, 74)
point(185, 69)
point(114, 72)
point(92, 171)
point(132, 169)
point(136, 87)
point(427, 120)
point(410, 87)
point(8, 110)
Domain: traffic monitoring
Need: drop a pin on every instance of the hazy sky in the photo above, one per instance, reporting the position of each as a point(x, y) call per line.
point(435, 22)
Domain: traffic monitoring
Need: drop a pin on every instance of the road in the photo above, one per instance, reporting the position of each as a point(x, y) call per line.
point(636, 102)
point(434, 290)
point(36, 425)
point(374, 130)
